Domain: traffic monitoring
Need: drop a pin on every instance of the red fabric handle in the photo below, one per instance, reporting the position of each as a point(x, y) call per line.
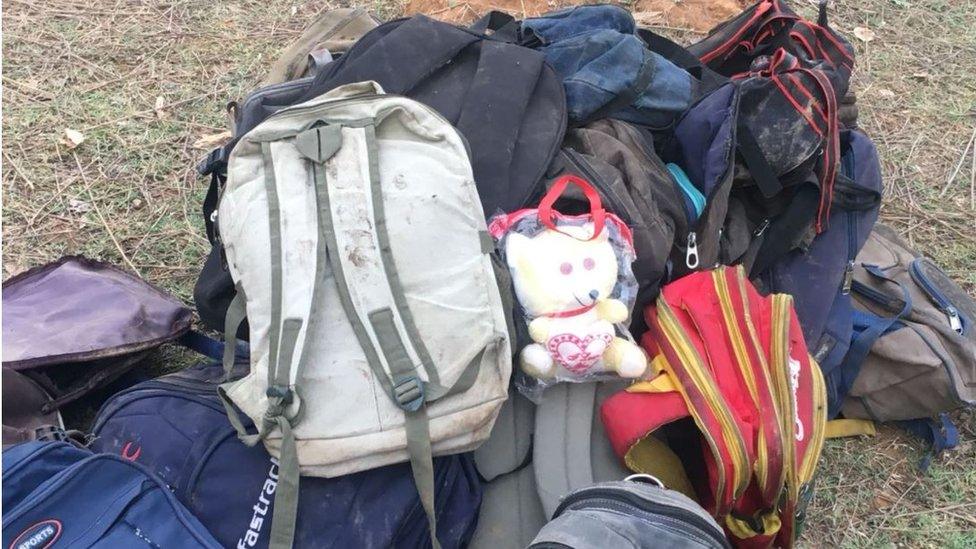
point(596, 206)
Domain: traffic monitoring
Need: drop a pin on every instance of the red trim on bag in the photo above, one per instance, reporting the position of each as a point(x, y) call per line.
point(829, 35)
point(803, 42)
point(816, 101)
point(796, 105)
point(761, 9)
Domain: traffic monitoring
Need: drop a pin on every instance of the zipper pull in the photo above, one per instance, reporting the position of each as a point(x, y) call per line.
point(848, 277)
point(761, 228)
point(691, 253)
point(955, 322)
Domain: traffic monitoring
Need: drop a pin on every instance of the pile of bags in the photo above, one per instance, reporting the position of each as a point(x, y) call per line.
point(552, 282)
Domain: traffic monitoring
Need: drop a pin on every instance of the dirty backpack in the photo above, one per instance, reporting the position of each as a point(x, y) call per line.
point(913, 354)
point(512, 130)
point(736, 416)
point(354, 234)
point(788, 73)
point(176, 427)
point(819, 276)
point(58, 495)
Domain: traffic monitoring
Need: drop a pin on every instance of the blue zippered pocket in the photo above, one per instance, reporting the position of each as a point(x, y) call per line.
point(958, 322)
point(693, 198)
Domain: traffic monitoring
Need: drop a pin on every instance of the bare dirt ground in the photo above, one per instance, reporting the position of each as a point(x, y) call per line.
point(142, 84)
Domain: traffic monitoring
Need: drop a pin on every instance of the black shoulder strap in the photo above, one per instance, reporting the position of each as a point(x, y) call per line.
point(398, 58)
point(759, 168)
point(489, 117)
point(681, 57)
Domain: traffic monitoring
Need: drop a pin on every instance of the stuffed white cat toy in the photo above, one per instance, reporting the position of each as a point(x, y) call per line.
point(564, 277)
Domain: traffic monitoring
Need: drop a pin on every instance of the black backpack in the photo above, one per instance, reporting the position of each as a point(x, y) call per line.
point(789, 75)
point(507, 103)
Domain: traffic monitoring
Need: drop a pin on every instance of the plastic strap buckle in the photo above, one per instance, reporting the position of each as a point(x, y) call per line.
point(409, 393)
point(281, 392)
point(50, 433)
point(215, 160)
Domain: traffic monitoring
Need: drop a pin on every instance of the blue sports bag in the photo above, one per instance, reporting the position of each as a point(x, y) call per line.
point(58, 495)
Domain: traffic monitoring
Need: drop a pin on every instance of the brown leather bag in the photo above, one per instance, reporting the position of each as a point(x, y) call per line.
point(924, 361)
point(24, 405)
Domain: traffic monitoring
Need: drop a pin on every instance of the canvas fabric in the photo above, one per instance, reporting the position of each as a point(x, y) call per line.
point(330, 34)
point(792, 75)
point(512, 130)
point(913, 353)
point(770, 25)
point(738, 407)
point(377, 320)
point(704, 147)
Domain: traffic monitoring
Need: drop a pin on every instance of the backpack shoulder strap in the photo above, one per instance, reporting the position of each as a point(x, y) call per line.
point(398, 55)
point(369, 286)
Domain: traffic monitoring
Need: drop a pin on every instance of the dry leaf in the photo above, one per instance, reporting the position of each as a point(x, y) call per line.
point(864, 34)
point(210, 141)
point(72, 138)
point(160, 103)
point(648, 18)
point(921, 76)
point(13, 268)
point(886, 93)
point(78, 206)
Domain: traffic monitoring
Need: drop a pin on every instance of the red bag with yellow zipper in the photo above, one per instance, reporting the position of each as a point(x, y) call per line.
point(735, 417)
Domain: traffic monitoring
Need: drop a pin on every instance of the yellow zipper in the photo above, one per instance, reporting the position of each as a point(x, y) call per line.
point(739, 347)
point(812, 456)
point(780, 370)
point(694, 365)
point(785, 441)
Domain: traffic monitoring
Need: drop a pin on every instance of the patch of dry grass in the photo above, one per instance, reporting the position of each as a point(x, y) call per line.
point(128, 194)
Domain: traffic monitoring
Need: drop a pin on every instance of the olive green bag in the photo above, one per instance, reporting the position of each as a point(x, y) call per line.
point(917, 328)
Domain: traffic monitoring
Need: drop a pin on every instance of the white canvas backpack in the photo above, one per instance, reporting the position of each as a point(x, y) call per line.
point(355, 236)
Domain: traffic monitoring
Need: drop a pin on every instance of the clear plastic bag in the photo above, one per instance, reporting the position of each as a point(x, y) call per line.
point(575, 288)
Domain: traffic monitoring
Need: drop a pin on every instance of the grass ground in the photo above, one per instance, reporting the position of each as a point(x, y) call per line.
point(144, 82)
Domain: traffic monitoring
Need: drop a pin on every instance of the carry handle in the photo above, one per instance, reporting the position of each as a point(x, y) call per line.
point(498, 25)
point(596, 206)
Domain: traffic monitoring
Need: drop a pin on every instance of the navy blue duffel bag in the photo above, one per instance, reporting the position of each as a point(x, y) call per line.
point(176, 426)
point(54, 492)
